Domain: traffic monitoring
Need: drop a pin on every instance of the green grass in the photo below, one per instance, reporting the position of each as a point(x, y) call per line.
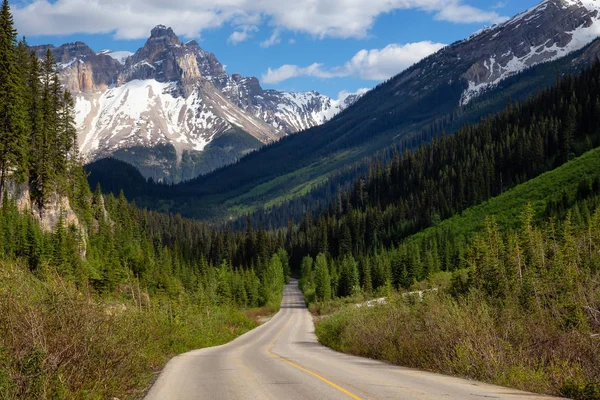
point(286, 187)
point(508, 207)
point(60, 342)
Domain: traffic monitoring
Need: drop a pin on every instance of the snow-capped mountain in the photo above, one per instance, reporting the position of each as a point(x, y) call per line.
point(178, 94)
point(546, 32)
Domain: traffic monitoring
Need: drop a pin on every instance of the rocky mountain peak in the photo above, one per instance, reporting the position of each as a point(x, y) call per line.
point(65, 53)
point(161, 31)
point(80, 68)
point(179, 94)
point(165, 59)
point(74, 50)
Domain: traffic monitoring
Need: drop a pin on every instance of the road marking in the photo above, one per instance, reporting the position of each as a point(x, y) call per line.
point(268, 351)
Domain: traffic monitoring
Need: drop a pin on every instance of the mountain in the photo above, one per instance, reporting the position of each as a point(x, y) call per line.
point(173, 111)
point(549, 31)
point(457, 85)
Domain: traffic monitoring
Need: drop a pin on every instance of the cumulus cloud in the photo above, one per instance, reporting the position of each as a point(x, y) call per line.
point(375, 64)
point(460, 13)
point(133, 19)
point(382, 64)
point(241, 35)
point(288, 71)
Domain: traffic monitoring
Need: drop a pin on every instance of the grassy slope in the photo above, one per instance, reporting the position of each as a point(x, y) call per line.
point(57, 342)
point(508, 207)
point(473, 336)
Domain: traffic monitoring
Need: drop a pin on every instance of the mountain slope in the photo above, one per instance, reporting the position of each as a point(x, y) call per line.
point(410, 108)
point(176, 94)
point(403, 107)
point(425, 98)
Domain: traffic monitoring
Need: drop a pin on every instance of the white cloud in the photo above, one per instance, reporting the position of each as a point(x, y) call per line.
point(273, 40)
point(375, 64)
point(460, 13)
point(288, 71)
point(382, 64)
point(241, 35)
point(133, 19)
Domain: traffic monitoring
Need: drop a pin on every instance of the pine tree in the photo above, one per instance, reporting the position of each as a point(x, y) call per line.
point(306, 273)
point(322, 278)
point(45, 179)
point(13, 139)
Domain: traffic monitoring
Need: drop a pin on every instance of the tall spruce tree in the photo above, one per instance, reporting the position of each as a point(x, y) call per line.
point(13, 145)
point(47, 143)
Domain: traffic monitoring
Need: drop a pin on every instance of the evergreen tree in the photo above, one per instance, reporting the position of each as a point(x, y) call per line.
point(322, 278)
point(13, 139)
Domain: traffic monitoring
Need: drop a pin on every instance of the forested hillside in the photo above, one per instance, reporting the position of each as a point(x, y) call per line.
point(421, 188)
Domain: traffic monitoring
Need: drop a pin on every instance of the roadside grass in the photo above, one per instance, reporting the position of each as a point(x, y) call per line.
point(471, 338)
point(260, 315)
point(59, 343)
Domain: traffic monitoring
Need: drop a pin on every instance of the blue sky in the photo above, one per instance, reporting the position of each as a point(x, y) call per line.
point(323, 45)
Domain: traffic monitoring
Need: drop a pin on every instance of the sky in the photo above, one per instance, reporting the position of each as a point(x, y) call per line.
point(329, 46)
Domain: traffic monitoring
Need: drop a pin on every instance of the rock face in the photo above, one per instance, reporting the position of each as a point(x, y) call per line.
point(81, 70)
point(55, 208)
point(546, 32)
point(178, 94)
point(164, 59)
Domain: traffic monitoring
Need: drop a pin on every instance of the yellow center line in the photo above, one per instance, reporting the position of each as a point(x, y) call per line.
point(268, 351)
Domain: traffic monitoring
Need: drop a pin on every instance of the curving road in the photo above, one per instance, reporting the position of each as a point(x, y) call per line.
point(282, 360)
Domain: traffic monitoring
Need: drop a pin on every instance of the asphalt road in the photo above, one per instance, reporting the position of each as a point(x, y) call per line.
point(282, 360)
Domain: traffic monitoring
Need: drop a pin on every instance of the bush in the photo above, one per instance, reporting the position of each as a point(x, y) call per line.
point(56, 342)
point(473, 338)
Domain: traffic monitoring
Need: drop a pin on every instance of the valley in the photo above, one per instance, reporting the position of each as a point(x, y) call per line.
point(171, 230)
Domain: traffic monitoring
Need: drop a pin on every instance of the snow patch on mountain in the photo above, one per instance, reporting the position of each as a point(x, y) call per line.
point(502, 66)
point(120, 56)
point(144, 113)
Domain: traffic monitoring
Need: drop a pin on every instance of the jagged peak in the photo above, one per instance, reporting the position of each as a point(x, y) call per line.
point(78, 46)
point(160, 31)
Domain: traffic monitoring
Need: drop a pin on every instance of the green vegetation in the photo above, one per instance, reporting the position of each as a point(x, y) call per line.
point(60, 342)
point(558, 188)
point(524, 313)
